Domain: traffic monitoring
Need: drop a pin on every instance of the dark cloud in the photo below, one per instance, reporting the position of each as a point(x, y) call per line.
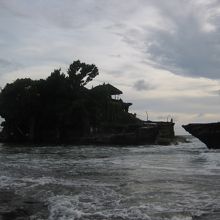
point(142, 85)
point(186, 41)
point(192, 47)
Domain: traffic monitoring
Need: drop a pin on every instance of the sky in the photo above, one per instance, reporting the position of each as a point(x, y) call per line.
point(163, 55)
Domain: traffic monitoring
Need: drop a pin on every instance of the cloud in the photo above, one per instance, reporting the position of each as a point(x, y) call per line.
point(141, 85)
point(201, 115)
point(156, 33)
point(6, 65)
point(185, 42)
point(215, 92)
point(186, 105)
point(192, 47)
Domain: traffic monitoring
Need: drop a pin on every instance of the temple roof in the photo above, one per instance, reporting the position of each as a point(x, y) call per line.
point(110, 89)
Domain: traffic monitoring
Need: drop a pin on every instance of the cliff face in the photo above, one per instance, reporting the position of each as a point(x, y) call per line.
point(208, 133)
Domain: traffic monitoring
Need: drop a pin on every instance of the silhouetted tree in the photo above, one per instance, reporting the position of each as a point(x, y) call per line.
point(80, 73)
point(58, 107)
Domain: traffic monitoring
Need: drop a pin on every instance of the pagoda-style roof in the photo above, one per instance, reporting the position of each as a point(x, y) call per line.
point(127, 104)
point(108, 88)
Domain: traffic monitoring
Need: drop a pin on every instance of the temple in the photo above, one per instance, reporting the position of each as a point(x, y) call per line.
point(113, 94)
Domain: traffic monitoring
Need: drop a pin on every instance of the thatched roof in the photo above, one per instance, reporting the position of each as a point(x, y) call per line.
point(108, 88)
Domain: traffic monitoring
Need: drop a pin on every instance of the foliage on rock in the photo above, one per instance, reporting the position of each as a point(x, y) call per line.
point(58, 107)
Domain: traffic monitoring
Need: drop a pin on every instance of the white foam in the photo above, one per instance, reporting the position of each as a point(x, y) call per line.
point(63, 208)
point(179, 217)
point(6, 182)
point(100, 204)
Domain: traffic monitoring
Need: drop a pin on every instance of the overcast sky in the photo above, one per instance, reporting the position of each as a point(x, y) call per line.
point(164, 55)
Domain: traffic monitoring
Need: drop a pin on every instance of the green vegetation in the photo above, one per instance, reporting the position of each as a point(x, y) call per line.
point(61, 108)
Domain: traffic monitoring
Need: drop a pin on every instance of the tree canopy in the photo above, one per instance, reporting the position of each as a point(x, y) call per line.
point(56, 106)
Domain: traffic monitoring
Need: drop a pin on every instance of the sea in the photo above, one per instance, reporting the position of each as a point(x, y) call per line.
point(145, 182)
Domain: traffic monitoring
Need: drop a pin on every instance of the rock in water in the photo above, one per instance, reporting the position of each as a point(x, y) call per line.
point(208, 133)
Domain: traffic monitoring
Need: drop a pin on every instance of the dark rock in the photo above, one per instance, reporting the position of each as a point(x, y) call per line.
point(208, 133)
point(147, 133)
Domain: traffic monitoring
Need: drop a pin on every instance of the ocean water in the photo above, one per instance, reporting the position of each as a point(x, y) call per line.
point(173, 182)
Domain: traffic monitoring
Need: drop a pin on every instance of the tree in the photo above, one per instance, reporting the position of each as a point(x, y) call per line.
point(81, 73)
point(35, 109)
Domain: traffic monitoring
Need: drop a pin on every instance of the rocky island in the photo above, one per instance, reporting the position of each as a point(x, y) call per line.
point(61, 109)
point(208, 133)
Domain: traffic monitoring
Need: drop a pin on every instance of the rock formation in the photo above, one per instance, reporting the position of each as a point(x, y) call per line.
point(208, 133)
